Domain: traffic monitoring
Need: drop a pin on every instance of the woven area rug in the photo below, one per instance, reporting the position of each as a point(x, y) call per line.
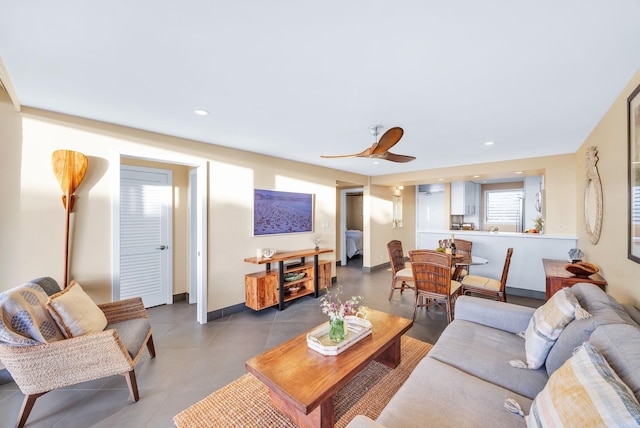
point(245, 402)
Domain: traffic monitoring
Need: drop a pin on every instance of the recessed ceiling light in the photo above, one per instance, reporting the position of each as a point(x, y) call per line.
point(518, 172)
point(476, 176)
point(201, 112)
point(489, 143)
point(440, 179)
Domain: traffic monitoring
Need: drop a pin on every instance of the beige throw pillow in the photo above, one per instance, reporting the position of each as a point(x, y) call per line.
point(545, 326)
point(75, 313)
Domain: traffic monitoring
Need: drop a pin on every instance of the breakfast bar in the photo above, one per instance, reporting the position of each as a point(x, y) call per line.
point(526, 275)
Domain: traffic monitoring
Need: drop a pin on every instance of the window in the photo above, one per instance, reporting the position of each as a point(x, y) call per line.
point(502, 206)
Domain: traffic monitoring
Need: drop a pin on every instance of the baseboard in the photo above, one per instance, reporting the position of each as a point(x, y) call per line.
point(368, 269)
point(180, 297)
point(540, 295)
point(225, 312)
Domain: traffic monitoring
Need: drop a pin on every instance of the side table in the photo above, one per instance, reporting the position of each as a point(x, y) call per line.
point(558, 277)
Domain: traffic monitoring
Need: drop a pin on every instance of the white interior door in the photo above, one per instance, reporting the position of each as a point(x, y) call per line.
point(145, 234)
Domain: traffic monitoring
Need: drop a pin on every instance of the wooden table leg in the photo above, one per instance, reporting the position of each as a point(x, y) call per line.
point(390, 357)
point(320, 417)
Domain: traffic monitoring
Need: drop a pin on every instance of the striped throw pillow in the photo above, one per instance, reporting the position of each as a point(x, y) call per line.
point(545, 326)
point(584, 392)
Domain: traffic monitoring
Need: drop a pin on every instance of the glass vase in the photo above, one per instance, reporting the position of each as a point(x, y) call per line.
point(336, 330)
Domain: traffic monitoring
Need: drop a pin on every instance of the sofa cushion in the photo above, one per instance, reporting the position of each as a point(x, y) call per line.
point(619, 345)
point(439, 395)
point(585, 392)
point(597, 303)
point(75, 312)
point(545, 326)
point(24, 319)
point(132, 333)
point(633, 312)
point(485, 352)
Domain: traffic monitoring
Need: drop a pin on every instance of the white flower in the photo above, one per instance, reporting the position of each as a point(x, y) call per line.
point(335, 308)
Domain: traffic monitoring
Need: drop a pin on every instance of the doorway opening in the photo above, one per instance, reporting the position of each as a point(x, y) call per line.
point(195, 202)
point(351, 226)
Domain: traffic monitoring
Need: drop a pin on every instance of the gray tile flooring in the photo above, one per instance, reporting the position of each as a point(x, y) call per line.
point(194, 360)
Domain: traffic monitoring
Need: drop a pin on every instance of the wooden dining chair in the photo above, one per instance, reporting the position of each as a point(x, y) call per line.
point(432, 279)
point(489, 286)
point(463, 248)
point(400, 269)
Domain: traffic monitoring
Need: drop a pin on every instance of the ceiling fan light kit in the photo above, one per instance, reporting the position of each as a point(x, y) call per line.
point(380, 148)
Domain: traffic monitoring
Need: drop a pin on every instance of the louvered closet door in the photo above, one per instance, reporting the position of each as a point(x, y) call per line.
point(145, 234)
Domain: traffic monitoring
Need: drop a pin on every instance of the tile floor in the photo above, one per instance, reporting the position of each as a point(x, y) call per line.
point(194, 360)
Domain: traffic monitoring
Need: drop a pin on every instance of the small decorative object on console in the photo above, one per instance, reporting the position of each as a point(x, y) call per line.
point(315, 238)
point(582, 269)
point(268, 253)
point(575, 255)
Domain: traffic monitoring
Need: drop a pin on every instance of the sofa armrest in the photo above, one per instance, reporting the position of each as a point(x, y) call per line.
point(124, 310)
point(500, 315)
point(361, 421)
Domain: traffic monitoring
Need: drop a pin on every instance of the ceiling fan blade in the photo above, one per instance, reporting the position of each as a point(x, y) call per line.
point(397, 158)
point(388, 140)
point(362, 154)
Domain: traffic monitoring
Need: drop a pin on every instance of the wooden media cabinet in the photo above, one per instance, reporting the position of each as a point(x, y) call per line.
point(269, 288)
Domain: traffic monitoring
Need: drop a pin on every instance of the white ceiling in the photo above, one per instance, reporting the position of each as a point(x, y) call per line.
point(298, 78)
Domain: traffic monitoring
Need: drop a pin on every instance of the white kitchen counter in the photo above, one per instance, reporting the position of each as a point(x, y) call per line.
point(526, 273)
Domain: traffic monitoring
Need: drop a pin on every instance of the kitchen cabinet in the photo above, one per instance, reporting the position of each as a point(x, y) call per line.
point(463, 197)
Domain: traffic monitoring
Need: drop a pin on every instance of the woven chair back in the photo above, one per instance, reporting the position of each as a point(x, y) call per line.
point(505, 269)
point(431, 272)
point(463, 247)
point(396, 256)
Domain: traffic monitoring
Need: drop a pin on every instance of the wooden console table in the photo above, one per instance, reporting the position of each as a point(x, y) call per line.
point(265, 289)
point(558, 277)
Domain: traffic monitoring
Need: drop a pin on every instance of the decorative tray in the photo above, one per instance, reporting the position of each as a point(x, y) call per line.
point(294, 289)
point(294, 276)
point(357, 329)
point(582, 269)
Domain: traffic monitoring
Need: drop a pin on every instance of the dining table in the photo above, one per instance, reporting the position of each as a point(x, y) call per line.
point(461, 262)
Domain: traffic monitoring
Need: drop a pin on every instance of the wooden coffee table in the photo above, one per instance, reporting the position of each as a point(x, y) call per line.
point(302, 381)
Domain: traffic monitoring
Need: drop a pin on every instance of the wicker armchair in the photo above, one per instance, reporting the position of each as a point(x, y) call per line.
point(400, 270)
point(432, 276)
point(39, 369)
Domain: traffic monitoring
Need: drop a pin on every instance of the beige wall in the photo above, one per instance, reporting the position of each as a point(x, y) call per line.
point(33, 217)
point(610, 253)
point(378, 216)
point(354, 212)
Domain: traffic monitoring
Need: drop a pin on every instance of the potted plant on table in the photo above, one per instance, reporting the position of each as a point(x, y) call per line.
point(337, 310)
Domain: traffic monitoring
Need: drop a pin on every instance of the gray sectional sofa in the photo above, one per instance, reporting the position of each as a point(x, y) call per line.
point(466, 378)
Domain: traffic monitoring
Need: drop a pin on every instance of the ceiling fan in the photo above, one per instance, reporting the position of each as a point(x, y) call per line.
point(380, 148)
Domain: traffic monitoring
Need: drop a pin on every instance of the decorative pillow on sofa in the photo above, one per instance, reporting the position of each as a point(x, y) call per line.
point(75, 312)
point(545, 326)
point(585, 392)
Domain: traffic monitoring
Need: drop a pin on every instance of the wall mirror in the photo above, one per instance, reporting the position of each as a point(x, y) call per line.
point(592, 197)
point(633, 129)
